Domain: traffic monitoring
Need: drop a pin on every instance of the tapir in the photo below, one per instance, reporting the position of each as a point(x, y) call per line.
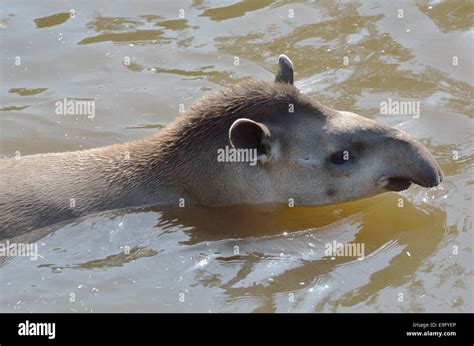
point(250, 143)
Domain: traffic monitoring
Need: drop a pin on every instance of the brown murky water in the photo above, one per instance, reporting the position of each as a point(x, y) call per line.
point(139, 61)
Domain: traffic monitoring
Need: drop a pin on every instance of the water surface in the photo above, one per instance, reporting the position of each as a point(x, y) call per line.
point(140, 61)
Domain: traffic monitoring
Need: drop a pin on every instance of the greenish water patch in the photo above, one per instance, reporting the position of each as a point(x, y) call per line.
point(127, 37)
point(53, 20)
point(147, 126)
point(26, 91)
point(14, 108)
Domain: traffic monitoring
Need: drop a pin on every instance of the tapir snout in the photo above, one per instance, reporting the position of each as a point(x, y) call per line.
point(411, 163)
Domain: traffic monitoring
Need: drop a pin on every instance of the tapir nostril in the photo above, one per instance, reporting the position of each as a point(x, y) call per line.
point(440, 175)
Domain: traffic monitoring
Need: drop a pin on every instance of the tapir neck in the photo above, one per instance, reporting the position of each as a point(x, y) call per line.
point(166, 168)
point(190, 171)
point(160, 170)
point(144, 172)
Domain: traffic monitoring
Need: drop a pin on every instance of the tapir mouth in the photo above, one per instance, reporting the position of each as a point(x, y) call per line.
point(403, 183)
point(396, 184)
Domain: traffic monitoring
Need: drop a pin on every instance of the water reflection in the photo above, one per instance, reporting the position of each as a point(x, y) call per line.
point(136, 36)
point(279, 263)
point(236, 10)
point(55, 19)
point(450, 16)
point(268, 252)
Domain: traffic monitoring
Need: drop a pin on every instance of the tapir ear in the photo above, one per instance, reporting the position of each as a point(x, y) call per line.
point(285, 70)
point(248, 134)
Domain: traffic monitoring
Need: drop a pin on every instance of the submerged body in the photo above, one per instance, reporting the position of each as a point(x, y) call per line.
point(305, 152)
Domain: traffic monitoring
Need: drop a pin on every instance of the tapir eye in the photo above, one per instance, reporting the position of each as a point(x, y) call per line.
point(339, 157)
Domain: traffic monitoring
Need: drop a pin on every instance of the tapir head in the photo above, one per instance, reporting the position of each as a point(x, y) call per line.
point(318, 155)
